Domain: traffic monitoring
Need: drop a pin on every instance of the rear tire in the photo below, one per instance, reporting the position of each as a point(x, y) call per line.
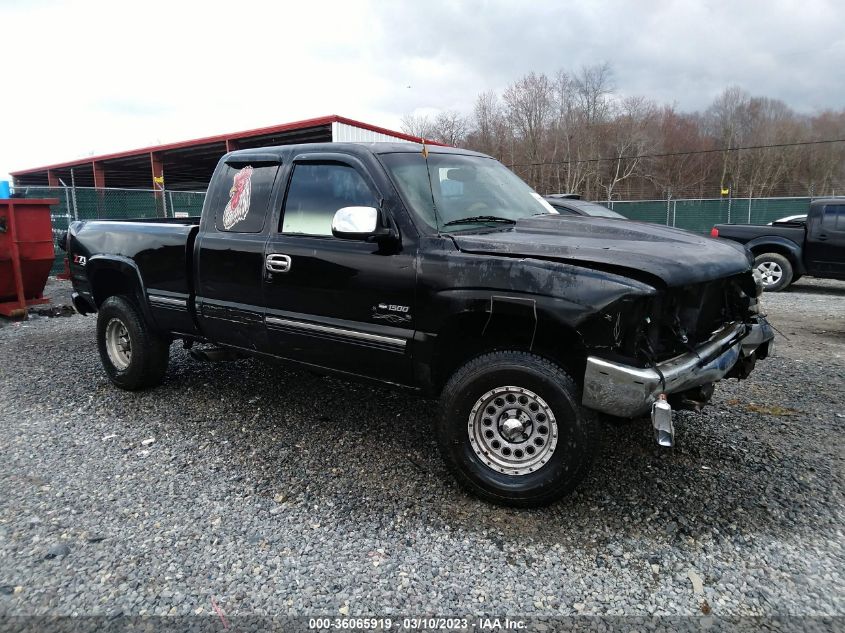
point(776, 271)
point(511, 429)
point(133, 355)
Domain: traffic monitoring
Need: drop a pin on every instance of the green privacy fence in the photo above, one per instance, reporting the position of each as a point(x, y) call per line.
point(700, 215)
point(87, 203)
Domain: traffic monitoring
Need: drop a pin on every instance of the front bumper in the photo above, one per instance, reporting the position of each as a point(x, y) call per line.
point(626, 391)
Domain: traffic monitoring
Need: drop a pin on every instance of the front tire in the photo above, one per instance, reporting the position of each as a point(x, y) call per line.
point(133, 355)
point(776, 271)
point(512, 431)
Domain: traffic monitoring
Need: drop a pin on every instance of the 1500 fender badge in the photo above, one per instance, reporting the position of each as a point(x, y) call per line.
point(391, 313)
point(238, 206)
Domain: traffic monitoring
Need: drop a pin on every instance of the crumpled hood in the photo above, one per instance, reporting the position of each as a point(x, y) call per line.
point(677, 257)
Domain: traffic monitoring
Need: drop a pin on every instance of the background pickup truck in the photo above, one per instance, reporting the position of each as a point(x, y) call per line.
point(784, 251)
point(439, 271)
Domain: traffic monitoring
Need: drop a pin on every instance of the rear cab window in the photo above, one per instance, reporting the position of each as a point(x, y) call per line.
point(240, 197)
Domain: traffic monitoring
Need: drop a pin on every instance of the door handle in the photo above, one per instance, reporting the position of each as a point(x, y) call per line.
point(277, 263)
point(822, 237)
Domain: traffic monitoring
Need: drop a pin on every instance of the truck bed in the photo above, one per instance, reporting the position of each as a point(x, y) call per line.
point(744, 233)
point(160, 249)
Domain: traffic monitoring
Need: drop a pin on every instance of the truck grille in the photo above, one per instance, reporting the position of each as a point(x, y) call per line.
point(684, 318)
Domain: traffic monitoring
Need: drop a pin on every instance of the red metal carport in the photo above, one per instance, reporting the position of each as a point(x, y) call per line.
point(188, 165)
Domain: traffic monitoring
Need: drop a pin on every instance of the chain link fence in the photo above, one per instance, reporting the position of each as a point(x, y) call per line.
point(700, 214)
point(88, 203)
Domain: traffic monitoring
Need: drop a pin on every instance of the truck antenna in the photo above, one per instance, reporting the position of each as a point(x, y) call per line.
point(430, 184)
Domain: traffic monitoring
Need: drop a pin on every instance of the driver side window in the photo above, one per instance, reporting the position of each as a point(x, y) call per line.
point(317, 191)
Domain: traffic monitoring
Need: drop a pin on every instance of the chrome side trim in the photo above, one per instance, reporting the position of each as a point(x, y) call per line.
point(326, 329)
point(170, 301)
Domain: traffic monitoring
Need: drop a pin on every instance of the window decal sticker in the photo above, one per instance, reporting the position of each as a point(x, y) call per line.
point(238, 206)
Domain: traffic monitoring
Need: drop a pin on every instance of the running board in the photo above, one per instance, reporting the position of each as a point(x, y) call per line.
point(214, 354)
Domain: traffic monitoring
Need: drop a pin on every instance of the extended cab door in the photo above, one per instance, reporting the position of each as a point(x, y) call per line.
point(337, 303)
point(824, 250)
point(229, 253)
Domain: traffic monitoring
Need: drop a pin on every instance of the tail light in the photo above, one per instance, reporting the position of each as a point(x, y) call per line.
point(714, 232)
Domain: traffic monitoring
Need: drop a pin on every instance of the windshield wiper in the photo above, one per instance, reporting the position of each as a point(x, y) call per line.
point(480, 218)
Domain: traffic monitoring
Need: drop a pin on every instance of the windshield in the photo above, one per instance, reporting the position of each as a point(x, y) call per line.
point(467, 191)
point(596, 210)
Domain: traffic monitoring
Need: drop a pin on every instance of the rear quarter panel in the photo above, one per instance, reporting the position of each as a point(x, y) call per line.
point(159, 253)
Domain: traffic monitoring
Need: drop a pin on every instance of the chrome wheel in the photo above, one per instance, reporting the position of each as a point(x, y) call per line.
point(512, 430)
point(118, 345)
point(770, 271)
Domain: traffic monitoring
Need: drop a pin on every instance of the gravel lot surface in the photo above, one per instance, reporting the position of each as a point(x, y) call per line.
point(270, 490)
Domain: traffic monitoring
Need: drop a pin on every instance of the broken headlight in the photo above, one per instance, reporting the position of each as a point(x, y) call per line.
point(614, 328)
point(758, 281)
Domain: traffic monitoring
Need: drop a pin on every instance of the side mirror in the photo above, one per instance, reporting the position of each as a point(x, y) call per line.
point(360, 223)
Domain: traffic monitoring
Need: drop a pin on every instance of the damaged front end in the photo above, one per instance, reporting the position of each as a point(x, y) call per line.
point(667, 350)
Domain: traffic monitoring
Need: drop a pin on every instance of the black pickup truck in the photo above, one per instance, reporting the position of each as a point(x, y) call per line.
point(439, 271)
point(784, 251)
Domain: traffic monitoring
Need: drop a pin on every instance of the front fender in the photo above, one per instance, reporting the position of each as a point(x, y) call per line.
point(568, 294)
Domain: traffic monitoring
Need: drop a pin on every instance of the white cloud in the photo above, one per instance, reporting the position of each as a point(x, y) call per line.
point(105, 76)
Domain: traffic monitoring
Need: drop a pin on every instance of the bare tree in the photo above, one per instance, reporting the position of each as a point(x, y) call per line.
point(529, 106)
point(418, 125)
point(728, 121)
point(593, 88)
point(574, 140)
point(680, 171)
point(571, 133)
point(488, 124)
point(593, 95)
point(820, 167)
point(450, 127)
point(627, 141)
point(771, 122)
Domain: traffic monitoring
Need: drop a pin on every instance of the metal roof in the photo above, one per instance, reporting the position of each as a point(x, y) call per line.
point(189, 164)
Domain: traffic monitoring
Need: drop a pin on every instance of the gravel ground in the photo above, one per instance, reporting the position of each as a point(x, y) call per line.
point(272, 491)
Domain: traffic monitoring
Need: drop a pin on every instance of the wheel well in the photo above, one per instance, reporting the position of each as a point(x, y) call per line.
point(471, 335)
point(774, 248)
point(109, 282)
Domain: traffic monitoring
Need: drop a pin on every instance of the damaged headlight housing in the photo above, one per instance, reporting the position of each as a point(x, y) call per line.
point(611, 328)
point(748, 288)
point(758, 281)
point(754, 300)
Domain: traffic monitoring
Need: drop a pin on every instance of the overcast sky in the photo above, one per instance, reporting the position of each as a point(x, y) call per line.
point(87, 78)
